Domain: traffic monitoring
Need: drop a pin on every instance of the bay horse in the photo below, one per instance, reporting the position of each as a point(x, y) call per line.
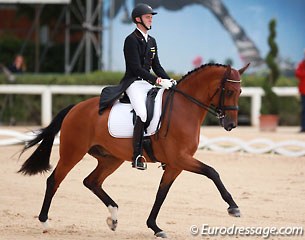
point(83, 131)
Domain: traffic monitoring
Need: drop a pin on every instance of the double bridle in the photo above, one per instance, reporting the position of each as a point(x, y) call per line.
point(218, 111)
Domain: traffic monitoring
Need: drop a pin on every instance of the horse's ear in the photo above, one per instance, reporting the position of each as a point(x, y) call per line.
point(228, 71)
point(241, 71)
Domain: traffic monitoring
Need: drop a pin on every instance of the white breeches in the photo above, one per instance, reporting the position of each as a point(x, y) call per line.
point(137, 93)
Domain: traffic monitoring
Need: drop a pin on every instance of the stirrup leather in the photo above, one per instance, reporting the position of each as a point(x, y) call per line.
point(144, 167)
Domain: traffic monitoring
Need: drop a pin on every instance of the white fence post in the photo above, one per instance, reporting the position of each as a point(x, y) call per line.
point(46, 107)
point(256, 104)
point(255, 93)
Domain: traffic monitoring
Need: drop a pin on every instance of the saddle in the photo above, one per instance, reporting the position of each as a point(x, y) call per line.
point(150, 105)
point(122, 117)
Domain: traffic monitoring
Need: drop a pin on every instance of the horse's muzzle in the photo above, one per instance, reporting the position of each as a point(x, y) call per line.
point(227, 123)
point(230, 126)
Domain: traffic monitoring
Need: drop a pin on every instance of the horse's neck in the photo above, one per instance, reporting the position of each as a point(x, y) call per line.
point(201, 85)
point(193, 113)
point(198, 85)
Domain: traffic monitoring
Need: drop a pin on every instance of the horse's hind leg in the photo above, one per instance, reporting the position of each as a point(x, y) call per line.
point(106, 166)
point(64, 166)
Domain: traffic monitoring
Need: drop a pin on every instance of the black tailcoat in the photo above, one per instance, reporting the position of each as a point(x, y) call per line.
point(140, 58)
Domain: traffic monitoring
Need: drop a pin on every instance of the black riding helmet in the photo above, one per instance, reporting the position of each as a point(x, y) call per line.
point(140, 10)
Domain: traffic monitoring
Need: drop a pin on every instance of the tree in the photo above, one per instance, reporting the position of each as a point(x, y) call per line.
point(270, 100)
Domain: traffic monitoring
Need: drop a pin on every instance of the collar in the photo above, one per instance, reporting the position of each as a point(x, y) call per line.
point(145, 35)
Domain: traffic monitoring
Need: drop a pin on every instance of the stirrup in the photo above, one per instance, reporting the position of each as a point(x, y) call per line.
point(136, 162)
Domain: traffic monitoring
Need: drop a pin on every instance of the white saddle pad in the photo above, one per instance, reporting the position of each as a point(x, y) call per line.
point(120, 123)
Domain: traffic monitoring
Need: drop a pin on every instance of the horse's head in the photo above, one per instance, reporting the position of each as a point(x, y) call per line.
point(226, 96)
point(215, 88)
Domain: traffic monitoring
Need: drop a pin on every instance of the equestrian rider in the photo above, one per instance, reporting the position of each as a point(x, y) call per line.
point(141, 54)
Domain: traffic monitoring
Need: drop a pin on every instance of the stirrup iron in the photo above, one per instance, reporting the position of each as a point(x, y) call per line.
point(144, 167)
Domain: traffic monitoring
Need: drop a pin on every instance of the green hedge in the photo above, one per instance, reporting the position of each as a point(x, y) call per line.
point(26, 109)
point(94, 78)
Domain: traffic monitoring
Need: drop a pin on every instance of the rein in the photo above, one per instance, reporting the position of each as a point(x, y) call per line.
point(197, 102)
point(218, 111)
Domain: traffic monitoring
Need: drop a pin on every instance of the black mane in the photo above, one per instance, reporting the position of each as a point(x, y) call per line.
point(201, 67)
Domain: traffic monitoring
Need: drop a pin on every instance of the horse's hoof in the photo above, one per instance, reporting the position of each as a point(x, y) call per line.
point(45, 226)
point(112, 224)
point(161, 234)
point(234, 212)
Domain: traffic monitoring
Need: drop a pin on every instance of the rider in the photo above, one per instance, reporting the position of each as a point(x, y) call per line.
point(141, 54)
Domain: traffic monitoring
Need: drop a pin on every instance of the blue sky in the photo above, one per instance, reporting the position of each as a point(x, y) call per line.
point(194, 31)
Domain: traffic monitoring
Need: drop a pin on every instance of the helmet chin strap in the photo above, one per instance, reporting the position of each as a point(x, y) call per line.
point(142, 23)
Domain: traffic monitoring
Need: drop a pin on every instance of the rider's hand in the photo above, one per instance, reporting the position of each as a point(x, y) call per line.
point(165, 83)
point(173, 81)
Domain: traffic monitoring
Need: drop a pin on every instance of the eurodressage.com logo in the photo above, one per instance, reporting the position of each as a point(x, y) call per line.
point(264, 232)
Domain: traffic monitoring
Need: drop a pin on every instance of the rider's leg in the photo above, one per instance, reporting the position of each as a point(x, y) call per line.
point(137, 93)
point(138, 161)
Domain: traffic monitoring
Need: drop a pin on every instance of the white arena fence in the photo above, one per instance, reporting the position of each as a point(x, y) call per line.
point(289, 148)
point(47, 92)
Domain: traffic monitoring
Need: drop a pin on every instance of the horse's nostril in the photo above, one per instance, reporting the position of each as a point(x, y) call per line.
point(230, 126)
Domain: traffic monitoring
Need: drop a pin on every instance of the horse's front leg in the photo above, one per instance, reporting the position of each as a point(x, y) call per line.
point(169, 176)
point(193, 165)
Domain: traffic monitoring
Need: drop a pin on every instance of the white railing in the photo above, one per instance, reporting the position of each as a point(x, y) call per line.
point(256, 93)
point(47, 91)
point(289, 148)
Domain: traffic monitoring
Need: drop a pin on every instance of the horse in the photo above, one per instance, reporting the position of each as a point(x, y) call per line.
point(212, 87)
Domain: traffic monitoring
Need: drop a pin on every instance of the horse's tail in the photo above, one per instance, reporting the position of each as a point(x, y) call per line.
point(39, 161)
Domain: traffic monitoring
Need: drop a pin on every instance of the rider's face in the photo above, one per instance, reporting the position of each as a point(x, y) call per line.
point(147, 20)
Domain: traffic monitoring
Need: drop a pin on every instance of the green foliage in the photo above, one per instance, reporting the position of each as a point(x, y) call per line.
point(270, 100)
point(257, 80)
point(94, 78)
point(271, 57)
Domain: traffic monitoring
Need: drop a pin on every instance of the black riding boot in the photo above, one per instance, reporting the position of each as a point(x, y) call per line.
point(138, 160)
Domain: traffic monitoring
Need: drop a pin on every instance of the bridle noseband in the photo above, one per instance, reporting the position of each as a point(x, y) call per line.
point(221, 108)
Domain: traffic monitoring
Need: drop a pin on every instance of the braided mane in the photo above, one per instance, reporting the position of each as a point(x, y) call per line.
point(201, 67)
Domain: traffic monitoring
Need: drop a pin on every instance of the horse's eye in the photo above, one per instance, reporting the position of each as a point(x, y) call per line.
point(229, 93)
